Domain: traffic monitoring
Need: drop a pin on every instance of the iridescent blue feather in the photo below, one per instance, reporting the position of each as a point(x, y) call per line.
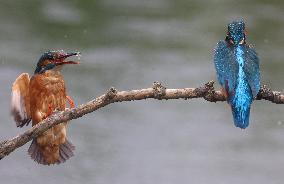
point(252, 69)
point(226, 66)
point(237, 69)
point(242, 98)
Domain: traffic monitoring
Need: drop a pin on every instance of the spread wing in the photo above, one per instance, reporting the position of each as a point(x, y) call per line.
point(20, 101)
point(226, 66)
point(252, 69)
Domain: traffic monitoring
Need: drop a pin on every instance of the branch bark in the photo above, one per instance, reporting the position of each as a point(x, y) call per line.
point(157, 91)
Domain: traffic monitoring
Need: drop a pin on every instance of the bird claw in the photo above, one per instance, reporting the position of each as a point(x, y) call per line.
point(49, 111)
point(70, 101)
point(224, 93)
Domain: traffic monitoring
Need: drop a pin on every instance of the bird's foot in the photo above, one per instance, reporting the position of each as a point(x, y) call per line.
point(70, 101)
point(49, 111)
point(224, 92)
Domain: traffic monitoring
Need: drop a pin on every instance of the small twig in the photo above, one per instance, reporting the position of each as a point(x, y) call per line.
point(157, 91)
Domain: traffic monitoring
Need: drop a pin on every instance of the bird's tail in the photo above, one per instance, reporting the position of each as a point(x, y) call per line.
point(65, 152)
point(241, 115)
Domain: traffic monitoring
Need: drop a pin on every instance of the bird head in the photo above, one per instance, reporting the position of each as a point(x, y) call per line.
point(52, 60)
point(236, 34)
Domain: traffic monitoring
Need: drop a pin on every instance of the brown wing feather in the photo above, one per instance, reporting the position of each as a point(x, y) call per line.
point(20, 100)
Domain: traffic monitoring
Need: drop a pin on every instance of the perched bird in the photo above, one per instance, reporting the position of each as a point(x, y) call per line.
point(237, 68)
point(36, 98)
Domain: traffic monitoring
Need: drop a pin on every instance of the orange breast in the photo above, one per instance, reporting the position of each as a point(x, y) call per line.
point(48, 90)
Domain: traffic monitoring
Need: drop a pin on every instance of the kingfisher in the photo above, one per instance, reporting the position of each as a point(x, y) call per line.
point(237, 68)
point(34, 99)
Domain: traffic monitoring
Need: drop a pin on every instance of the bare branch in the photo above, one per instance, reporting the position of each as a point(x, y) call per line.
point(157, 91)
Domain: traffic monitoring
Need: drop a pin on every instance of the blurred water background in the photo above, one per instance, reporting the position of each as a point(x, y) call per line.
point(129, 44)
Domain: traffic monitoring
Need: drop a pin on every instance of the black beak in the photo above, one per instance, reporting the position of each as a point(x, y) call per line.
point(69, 55)
point(61, 59)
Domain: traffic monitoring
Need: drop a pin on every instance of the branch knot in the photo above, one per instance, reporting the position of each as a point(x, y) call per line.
point(209, 91)
point(159, 90)
point(264, 92)
point(111, 93)
point(267, 94)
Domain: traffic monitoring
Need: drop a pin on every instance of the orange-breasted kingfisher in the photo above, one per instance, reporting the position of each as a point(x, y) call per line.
point(237, 68)
point(36, 98)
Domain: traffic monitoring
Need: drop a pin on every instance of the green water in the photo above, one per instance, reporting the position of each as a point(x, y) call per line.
point(129, 44)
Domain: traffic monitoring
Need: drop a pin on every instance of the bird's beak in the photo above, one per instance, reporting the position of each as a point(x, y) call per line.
point(61, 59)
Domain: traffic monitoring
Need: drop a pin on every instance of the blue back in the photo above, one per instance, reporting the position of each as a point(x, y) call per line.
point(237, 69)
point(227, 67)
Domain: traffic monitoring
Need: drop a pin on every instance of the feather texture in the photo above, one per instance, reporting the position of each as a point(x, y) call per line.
point(226, 66)
point(48, 91)
point(65, 152)
point(251, 69)
point(20, 100)
point(32, 99)
point(237, 69)
point(242, 98)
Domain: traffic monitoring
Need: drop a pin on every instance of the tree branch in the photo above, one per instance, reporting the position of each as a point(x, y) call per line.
point(157, 91)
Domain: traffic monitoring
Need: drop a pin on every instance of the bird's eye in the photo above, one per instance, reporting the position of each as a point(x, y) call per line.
point(242, 42)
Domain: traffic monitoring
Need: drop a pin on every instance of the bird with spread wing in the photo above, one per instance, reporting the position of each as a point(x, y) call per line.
point(34, 99)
